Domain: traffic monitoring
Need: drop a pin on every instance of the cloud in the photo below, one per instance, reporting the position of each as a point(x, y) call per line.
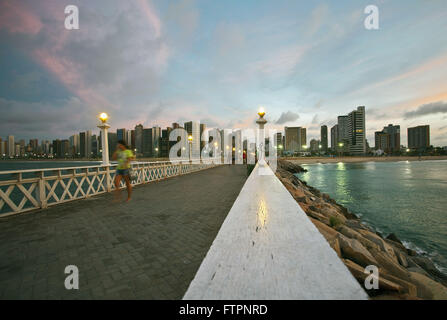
point(60, 118)
point(427, 109)
point(317, 19)
point(288, 116)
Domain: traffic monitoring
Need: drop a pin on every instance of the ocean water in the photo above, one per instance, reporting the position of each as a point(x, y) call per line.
point(28, 165)
point(406, 198)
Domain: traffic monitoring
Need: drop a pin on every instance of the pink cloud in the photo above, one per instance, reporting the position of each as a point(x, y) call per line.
point(15, 18)
point(67, 72)
point(151, 17)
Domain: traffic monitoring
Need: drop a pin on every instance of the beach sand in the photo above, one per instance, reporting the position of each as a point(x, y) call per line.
point(303, 160)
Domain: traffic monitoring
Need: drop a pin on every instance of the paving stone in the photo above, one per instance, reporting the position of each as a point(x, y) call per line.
point(149, 248)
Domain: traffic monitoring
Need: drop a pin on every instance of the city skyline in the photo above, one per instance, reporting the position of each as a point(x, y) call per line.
point(305, 62)
point(346, 137)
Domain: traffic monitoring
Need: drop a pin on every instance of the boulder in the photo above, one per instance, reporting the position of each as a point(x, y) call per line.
point(426, 264)
point(385, 247)
point(397, 245)
point(406, 286)
point(428, 288)
point(419, 270)
point(402, 258)
point(330, 211)
point(394, 238)
point(355, 224)
point(352, 249)
point(358, 273)
point(388, 265)
point(290, 166)
point(353, 234)
point(329, 233)
point(317, 216)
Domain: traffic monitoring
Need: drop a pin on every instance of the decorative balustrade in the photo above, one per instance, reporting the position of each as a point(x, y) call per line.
point(25, 190)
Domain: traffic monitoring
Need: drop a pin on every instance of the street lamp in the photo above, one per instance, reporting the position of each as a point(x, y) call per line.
point(341, 146)
point(190, 145)
point(104, 138)
point(261, 137)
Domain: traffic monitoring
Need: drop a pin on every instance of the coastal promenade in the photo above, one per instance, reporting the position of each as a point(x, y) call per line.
point(149, 248)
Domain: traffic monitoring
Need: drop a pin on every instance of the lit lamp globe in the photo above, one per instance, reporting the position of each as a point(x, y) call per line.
point(103, 117)
point(104, 137)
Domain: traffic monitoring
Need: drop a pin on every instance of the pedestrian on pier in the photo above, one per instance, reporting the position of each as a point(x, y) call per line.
point(123, 155)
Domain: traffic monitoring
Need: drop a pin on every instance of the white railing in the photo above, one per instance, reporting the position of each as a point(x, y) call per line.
point(25, 190)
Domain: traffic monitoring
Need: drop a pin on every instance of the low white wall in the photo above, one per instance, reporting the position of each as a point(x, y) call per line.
point(267, 248)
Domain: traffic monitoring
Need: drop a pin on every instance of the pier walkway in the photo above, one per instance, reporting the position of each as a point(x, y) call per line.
point(149, 248)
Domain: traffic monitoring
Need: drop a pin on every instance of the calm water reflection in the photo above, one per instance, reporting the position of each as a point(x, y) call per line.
point(407, 198)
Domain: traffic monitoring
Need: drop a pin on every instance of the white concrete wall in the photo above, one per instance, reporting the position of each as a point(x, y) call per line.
point(267, 248)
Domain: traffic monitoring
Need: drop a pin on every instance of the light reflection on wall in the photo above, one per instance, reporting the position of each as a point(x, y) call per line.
point(262, 213)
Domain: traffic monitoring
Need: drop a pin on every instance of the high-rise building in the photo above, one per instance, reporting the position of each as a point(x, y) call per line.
point(34, 144)
point(382, 141)
point(193, 128)
point(279, 146)
point(148, 142)
point(324, 140)
point(334, 137)
point(57, 148)
point(11, 146)
point(2, 148)
point(343, 128)
point(165, 144)
point(82, 145)
point(314, 145)
point(419, 137)
point(85, 143)
point(293, 140)
point(75, 144)
point(202, 130)
point(139, 139)
point(388, 140)
point(394, 132)
point(18, 150)
point(296, 139)
point(112, 140)
point(121, 134)
point(357, 134)
point(65, 148)
point(95, 146)
point(156, 142)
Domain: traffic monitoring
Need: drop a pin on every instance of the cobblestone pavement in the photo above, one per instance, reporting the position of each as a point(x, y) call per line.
point(149, 248)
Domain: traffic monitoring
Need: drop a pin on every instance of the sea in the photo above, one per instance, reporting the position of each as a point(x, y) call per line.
point(407, 198)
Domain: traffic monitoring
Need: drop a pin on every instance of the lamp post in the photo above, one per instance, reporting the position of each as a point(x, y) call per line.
point(340, 148)
point(190, 145)
point(261, 137)
point(104, 138)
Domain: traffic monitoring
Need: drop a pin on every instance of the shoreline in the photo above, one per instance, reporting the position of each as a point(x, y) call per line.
point(324, 160)
point(403, 272)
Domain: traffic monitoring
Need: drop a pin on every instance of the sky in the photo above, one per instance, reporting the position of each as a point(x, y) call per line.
point(156, 62)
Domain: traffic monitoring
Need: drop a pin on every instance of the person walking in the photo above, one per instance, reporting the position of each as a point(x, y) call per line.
point(123, 155)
